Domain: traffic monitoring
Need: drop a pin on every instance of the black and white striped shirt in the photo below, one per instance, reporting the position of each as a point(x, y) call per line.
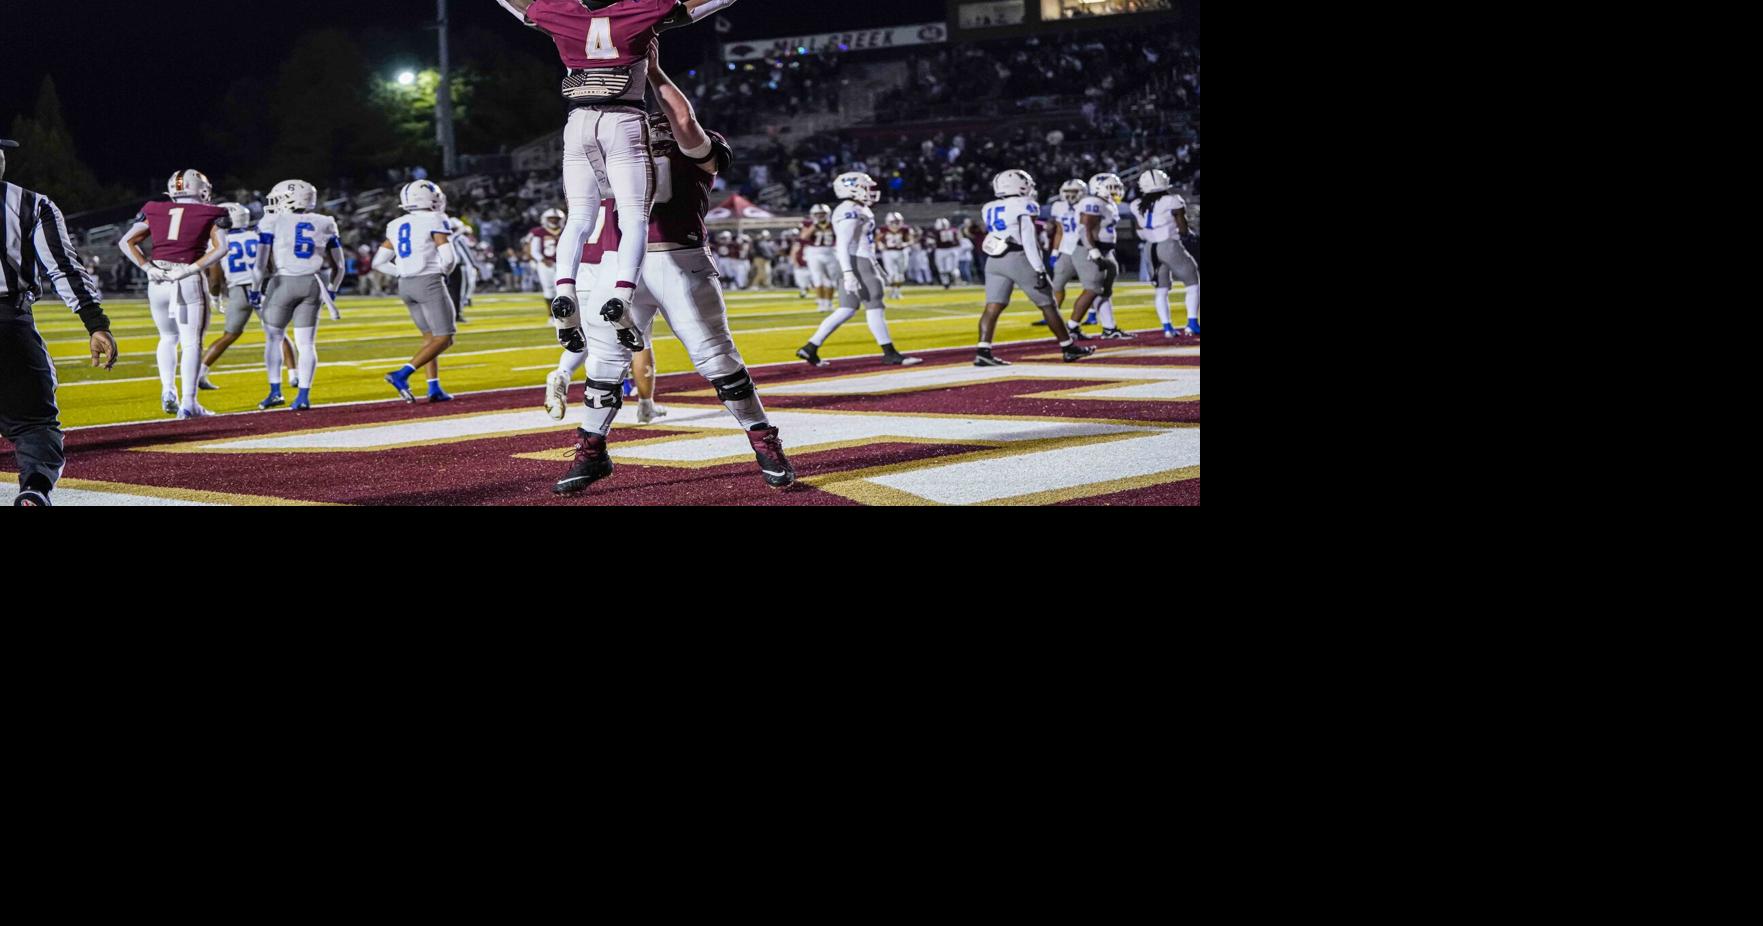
point(34, 235)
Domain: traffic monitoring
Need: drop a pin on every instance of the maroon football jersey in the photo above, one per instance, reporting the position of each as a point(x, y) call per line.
point(547, 243)
point(817, 236)
point(603, 237)
point(181, 230)
point(949, 238)
point(680, 220)
point(893, 239)
point(616, 36)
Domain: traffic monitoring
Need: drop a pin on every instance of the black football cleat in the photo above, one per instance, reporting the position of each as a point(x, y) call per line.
point(892, 357)
point(773, 464)
point(1077, 352)
point(1116, 334)
point(811, 354)
point(984, 358)
point(592, 464)
point(1077, 334)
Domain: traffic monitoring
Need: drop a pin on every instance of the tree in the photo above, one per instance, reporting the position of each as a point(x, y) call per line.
point(47, 161)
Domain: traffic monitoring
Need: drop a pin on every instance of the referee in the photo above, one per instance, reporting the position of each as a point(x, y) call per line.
point(32, 235)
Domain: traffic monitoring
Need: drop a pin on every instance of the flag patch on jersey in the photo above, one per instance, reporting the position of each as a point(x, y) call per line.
point(597, 85)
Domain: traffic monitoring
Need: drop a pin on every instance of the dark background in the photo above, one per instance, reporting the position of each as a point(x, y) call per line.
point(147, 88)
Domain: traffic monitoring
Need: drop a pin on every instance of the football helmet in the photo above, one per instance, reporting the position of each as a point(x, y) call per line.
point(857, 187)
point(942, 225)
point(725, 237)
point(238, 215)
point(421, 196)
point(296, 195)
point(1013, 183)
point(189, 184)
point(553, 219)
point(1108, 187)
point(821, 213)
point(896, 220)
point(1073, 190)
point(1153, 181)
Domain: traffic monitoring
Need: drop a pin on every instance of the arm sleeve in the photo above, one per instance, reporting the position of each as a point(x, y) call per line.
point(534, 250)
point(846, 230)
point(710, 7)
point(61, 262)
point(517, 14)
point(386, 262)
point(1031, 242)
point(448, 254)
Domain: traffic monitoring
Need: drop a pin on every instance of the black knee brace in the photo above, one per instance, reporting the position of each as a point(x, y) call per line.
point(734, 387)
point(605, 395)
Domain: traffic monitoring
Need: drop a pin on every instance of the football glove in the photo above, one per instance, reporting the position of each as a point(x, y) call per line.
point(631, 338)
point(156, 275)
point(572, 340)
point(853, 285)
point(1042, 281)
point(1096, 255)
point(255, 298)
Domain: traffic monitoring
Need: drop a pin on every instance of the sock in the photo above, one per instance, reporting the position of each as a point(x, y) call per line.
point(306, 342)
point(272, 354)
point(204, 373)
point(1161, 297)
point(571, 362)
point(405, 371)
point(434, 386)
point(1065, 343)
point(831, 325)
point(750, 412)
point(168, 363)
point(191, 336)
point(1192, 304)
point(1108, 313)
point(985, 345)
point(878, 326)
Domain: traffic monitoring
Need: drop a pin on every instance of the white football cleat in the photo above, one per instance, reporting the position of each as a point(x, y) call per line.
point(557, 395)
point(169, 402)
point(206, 385)
point(197, 411)
point(648, 411)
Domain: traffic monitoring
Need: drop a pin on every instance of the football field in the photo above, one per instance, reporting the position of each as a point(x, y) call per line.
point(1120, 428)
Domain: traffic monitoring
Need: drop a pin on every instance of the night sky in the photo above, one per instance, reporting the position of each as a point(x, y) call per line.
point(135, 74)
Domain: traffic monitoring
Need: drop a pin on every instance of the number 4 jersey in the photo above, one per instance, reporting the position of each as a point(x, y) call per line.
point(181, 230)
point(298, 240)
point(612, 36)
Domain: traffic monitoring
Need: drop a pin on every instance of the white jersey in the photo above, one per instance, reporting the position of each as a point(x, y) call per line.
point(413, 243)
point(1066, 215)
point(856, 230)
point(241, 256)
point(1110, 213)
point(299, 241)
point(1158, 223)
point(1013, 221)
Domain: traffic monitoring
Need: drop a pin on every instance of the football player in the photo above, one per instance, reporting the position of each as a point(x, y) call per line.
point(462, 282)
point(605, 45)
point(297, 244)
point(854, 229)
point(189, 236)
point(895, 245)
point(819, 243)
point(542, 248)
point(1062, 218)
point(603, 241)
point(242, 286)
point(1098, 220)
point(1163, 222)
point(419, 252)
point(1014, 260)
point(949, 245)
point(680, 283)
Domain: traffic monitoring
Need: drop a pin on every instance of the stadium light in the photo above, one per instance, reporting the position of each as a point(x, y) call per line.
point(407, 79)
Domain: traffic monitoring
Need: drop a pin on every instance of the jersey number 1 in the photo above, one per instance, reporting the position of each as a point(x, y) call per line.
point(177, 222)
point(600, 45)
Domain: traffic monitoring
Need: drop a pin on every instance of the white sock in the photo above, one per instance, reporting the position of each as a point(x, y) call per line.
point(272, 353)
point(1107, 313)
point(191, 336)
point(571, 362)
point(306, 342)
point(878, 326)
point(831, 325)
point(1161, 297)
point(204, 373)
point(1193, 302)
point(168, 363)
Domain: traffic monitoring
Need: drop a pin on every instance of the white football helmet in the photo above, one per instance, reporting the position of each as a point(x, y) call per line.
point(238, 215)
point(190, 184)
point(296, 195)
point(896, 220)
point(725, 237)
point(553, 219)
point(1153, 181)
point(857, 187)
point(1013, 183)
point(820, 213)
point(942, 225)
point(1107, 187)
point(1073, 190)
point(422, 196)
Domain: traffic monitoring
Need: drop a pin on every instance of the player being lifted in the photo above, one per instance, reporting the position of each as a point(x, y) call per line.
point(297, 244)
point(1098, 221)
point(189, 236)
point(682, 285)
point(1163, 220)
point(1014, 261)
point(603, 241)
point(854, 224)
point(896, 241)
point(418, 250)
point(242, 288)
point(543, 251)
point(818, 243)
point(949, 245)
point(605, 45)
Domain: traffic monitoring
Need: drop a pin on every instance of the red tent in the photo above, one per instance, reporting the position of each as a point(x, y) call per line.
point(738, 208)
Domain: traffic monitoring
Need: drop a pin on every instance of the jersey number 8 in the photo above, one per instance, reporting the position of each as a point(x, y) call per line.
point(404, 240)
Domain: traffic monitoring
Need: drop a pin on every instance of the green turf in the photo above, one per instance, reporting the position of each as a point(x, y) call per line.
point(506, 344)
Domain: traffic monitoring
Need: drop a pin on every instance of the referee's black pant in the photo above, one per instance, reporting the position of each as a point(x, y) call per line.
point(28, 417)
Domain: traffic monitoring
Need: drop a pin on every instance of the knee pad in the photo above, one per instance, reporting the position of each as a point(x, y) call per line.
point(735, 387)
point(605, 395)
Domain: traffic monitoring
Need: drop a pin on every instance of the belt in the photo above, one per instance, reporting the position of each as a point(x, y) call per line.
point(615, 106)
